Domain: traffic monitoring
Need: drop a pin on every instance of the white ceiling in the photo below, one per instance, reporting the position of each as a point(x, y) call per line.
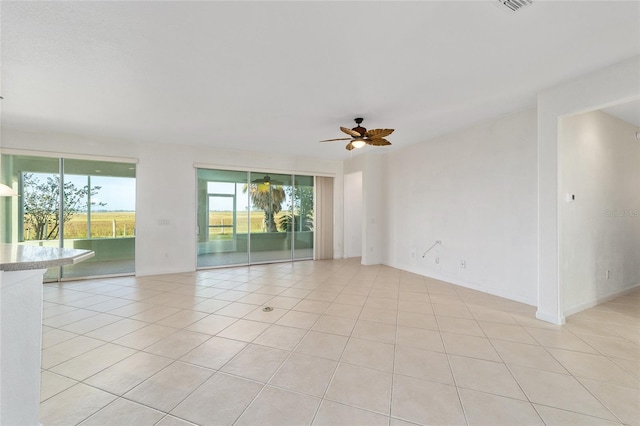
point(279, 76)
point(627, 111)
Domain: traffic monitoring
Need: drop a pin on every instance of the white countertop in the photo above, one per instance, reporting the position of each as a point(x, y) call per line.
point(16, 257)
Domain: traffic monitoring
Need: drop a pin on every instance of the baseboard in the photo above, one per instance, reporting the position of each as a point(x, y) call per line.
point(600, 300)
point(161, 271)
point(469, 285)
point(553, 319)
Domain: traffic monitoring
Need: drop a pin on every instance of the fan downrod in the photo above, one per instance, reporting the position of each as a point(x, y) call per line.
point(361, 130)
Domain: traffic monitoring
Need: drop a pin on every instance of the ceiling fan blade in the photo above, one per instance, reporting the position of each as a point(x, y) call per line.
point(378, 133)
point(378, 142)
point(350, 146)
point(332, 140)
point(351, 132)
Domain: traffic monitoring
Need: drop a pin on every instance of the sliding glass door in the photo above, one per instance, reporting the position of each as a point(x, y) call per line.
point(105, 220)
point(253, 217)
point(223, 218)
point(271, 202)
point(34, 216)
point(303, 202)
point(70, 203)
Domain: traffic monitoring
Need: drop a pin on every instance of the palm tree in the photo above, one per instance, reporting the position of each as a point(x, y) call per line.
point(267, 197)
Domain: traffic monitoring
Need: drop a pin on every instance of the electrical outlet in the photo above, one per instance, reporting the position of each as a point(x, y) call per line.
point(463, 264)
point(437, 260)
point(608, 274)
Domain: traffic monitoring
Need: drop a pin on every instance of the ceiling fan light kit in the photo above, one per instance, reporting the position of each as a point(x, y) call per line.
point(358, 143)
point(7, 191)
point(266, 180)
point(359, 136)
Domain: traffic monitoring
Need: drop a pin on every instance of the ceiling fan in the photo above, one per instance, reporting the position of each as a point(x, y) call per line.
point(266, 180)
point(361, 136)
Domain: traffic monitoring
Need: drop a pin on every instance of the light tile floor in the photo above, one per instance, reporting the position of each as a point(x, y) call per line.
point(344, 344)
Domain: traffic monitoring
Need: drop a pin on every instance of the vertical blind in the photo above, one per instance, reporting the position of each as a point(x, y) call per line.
point(324, 218)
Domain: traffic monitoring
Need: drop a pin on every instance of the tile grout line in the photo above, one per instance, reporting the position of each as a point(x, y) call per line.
point(453, 377)
point(395, 281)
point(335, 370)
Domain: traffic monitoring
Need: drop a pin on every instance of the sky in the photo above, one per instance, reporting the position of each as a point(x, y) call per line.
point(119, 193)
point(221, 203)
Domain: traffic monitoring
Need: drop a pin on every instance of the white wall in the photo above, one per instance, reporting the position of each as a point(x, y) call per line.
point(353, 214)
point(600, 230)
point(166, 188)
point(611, 85)
point(373, 210)
point(475, 190)
point(368, 163)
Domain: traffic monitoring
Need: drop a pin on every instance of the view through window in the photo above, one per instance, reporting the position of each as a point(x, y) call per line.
point(253, 217)
point(71, 203)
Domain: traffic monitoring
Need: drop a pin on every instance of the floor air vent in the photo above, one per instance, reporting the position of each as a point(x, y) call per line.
point(514, 5)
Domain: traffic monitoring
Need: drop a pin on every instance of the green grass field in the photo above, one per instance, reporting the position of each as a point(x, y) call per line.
point(242, 223)
point(102, 224)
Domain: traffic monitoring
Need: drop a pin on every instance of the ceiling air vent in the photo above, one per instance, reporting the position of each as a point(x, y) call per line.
point(514, 5)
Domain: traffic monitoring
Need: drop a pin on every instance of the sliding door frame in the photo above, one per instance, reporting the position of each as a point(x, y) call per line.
point(62, 157)
point(291, 234)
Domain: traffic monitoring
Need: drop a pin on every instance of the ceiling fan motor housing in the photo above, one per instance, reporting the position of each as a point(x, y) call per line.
point(359, 128)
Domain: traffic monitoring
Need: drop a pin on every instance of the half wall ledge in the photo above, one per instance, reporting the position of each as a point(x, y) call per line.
point(22, 270)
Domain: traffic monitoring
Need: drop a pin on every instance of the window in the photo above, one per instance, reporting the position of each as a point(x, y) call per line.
point(253, 217)
point(71, 203)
